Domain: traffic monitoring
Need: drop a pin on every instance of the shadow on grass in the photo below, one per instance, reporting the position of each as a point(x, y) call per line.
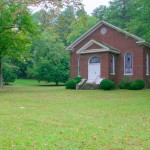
point(48, 85)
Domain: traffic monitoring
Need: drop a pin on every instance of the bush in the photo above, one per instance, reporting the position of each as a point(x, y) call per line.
point(8, 76)
point(124, 85)
point(71, 84)
point(9, 72)
point(107, 84)
point(137, 85)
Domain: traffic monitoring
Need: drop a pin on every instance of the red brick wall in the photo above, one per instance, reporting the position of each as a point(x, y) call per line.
point(93, 46)
point(146, 77)
point(104, 67)
point(117, 40)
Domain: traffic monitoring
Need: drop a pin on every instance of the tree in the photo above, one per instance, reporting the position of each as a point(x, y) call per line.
point(80, 26)
point(100, 12)
point(131, 15)
point(63, 23)
point(140, 23)
point(120, 12)
point(50, 60)
point(16, 30)
point(9, 71)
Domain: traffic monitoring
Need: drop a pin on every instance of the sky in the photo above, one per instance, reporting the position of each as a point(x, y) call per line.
point(90, 5)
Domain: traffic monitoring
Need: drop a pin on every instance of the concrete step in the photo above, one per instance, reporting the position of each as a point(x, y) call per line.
point(89, 86)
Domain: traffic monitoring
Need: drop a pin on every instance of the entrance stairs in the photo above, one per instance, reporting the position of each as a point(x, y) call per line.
point(89, 84)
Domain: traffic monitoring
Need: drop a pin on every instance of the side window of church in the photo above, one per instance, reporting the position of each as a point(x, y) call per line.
point(147, 64)
point(112, 62)
point(128, 70)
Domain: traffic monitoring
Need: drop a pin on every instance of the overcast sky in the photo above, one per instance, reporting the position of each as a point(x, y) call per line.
point(90, 5)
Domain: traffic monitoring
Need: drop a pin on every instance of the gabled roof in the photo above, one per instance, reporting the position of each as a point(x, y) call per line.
point(139, 40)
point(103, 48)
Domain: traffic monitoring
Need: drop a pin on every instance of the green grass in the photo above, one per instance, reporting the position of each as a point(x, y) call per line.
point(49, 117)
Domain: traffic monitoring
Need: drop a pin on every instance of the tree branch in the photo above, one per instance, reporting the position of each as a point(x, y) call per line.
point(7, 28)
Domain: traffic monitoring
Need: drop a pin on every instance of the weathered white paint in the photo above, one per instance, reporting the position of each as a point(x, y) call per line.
point(93, 71)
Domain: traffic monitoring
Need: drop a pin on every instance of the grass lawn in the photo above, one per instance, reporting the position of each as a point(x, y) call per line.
point(49, 118)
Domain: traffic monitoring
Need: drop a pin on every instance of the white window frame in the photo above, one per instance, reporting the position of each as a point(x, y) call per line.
point(147, 63)
point(113, 61)
point(125, 64)
point(79, 67)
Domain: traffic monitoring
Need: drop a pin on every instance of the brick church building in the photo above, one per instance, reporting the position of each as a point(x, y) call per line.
point(106, 51)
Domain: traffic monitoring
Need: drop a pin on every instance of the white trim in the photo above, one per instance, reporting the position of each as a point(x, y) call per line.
point(147, 63)
point(125, 64)
point(79, 66)
point(144, 43)
point(94, 63)
point(99, 24)
point(90, 43)
point(105, 48)
point(97, 51)
point(113, 61)
point(128, 74)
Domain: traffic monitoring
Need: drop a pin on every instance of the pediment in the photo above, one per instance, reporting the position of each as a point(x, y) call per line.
point(94, 47)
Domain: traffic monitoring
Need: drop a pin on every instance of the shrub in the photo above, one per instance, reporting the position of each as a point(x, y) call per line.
point(9, 73)
point(107, 84)
point(8, 76)
point(71, 84)
point(124, 85)
point(77, 79)
point(141, 83)
point(137, 85)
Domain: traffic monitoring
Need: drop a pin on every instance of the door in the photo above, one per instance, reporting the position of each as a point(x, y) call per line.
point(93, 68)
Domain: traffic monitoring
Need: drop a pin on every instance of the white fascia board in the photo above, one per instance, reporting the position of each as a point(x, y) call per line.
point(97, 51)
point(144, 43)
point(90, 43)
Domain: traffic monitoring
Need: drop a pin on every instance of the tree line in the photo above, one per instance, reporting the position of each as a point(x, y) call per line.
point(33, 45)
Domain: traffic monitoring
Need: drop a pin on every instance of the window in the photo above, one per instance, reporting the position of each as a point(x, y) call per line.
point(103, 31)
point(79, 67)
point(112, 62)
point(128, 67)
point(147, 64)
point(94, 60)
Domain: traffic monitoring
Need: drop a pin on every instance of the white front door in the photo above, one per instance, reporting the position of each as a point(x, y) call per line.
point(93, 71)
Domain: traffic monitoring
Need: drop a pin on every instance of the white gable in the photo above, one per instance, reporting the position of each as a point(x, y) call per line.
point(103, 48)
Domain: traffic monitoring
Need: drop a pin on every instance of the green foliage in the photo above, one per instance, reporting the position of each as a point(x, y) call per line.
point(80, 26)
point(137, 85)
point(71, 84)
point(16, 31)
point(100, 12)
point(132, 85)
point(125, 84)
point(51, 62)
point(107, 84)
point(64, 20)
point(123, 13)
point(9, 72)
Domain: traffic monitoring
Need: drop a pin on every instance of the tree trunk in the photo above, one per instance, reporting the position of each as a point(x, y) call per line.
point(1, 74)
point(56, 83)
